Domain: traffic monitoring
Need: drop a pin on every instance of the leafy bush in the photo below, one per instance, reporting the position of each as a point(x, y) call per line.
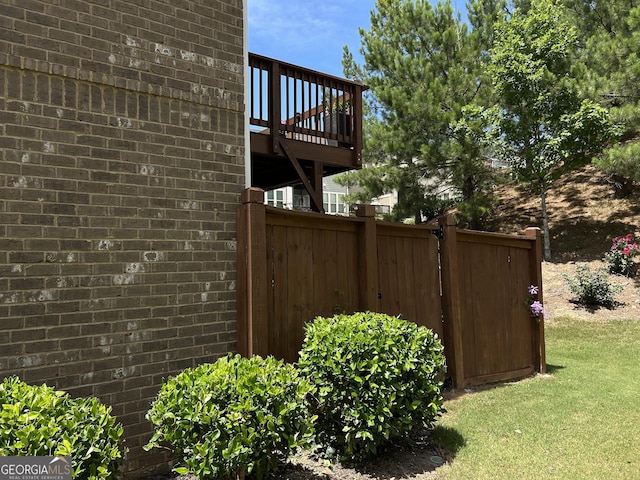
point(376, 378)
point(232, 417)
point(43, 421)
point(621, 255)
point(592, 288)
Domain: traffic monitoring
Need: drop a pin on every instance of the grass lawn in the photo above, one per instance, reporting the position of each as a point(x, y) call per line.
point(581, 421)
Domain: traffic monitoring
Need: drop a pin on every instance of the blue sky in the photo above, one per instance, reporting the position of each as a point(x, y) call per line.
point(307, 33)
point(310, 33)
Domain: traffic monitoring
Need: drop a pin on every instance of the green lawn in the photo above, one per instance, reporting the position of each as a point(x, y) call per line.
point(582, 421)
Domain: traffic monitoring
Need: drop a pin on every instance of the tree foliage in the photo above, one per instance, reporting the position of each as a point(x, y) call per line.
point(424, 66)
point(610, 54)
point(547, 78)
point(542, 125)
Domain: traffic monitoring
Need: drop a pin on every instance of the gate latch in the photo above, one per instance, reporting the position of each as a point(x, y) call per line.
point(439, 232)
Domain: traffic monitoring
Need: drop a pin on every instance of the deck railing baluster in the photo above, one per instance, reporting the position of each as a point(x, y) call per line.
point(307, 102)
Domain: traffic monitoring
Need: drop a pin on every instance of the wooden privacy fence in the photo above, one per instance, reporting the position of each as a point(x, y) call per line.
point(470, 288)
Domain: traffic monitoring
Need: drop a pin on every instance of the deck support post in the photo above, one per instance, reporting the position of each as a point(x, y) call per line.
point(315, 190)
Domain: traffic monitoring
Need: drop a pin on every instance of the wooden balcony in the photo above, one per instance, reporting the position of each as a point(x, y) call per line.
point(304, 125)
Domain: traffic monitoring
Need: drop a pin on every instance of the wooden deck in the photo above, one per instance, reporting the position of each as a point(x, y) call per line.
point(305, 125)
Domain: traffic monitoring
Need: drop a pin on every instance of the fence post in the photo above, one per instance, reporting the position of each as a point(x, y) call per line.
point(252, 290)
point(535, 269)
point(451, 300)
point(368, 259)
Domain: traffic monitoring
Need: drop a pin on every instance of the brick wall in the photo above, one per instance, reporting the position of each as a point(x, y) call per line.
point(122, 161)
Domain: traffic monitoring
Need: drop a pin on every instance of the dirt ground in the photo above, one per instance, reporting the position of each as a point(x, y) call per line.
point(415, 458)
point(558, 300)
point(584, 217)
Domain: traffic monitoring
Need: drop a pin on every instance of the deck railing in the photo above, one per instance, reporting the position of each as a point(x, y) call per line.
point(301, 104)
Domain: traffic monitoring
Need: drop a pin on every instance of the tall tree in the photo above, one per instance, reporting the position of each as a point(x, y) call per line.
point(609, 34)
point(543, 127)
point(424, 66)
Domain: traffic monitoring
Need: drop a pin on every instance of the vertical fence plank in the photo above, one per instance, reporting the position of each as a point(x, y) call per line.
point(252, 275)
point(349, 277)
point(368, 258)
point(519, 329)
point(451, 300)
point(535, 266)
point(300, 288)
point(465, 305)
point(277, 281)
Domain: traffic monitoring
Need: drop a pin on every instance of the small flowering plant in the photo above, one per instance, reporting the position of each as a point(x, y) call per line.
point(621, 255)
point(536, 310)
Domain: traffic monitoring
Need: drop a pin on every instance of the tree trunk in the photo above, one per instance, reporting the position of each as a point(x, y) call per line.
point(468, 189)
point(545, 226)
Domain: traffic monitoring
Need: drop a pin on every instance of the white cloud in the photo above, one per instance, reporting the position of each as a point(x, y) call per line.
point(307, 33)
point(292, 24)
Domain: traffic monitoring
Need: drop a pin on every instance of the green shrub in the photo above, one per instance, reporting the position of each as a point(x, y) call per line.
point(377, 377)
point(41, 421)
point(232, 417)
point(592, 287)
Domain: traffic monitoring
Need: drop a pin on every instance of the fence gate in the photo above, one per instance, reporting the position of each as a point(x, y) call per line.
point(409, 275)
point(499, 337)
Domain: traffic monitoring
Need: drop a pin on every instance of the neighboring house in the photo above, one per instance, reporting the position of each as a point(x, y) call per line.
point(297, 198)
point(124, 150)
point(443, 191)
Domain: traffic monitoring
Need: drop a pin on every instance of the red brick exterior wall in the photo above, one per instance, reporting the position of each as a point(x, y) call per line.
point(121, 166)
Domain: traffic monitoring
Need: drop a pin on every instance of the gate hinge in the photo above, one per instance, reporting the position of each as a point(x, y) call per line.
point(439, 232)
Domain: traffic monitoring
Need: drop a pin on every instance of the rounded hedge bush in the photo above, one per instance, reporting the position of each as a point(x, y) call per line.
point(42, 421)
point(377, 378)
point(233, 417)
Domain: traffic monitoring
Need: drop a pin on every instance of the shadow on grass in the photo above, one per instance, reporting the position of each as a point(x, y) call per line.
point(455, 394)
point(551, 369)
point(448, 438)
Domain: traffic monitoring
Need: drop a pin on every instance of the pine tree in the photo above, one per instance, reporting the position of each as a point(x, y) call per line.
point(425, 66)
point(610, 53)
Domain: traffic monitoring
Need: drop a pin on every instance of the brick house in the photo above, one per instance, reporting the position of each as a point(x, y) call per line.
point(126, 140)
point(122, 161)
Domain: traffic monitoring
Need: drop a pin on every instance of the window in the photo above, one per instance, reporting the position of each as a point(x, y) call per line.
point(301, 200)
point(334, 203)
point(276, 198)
